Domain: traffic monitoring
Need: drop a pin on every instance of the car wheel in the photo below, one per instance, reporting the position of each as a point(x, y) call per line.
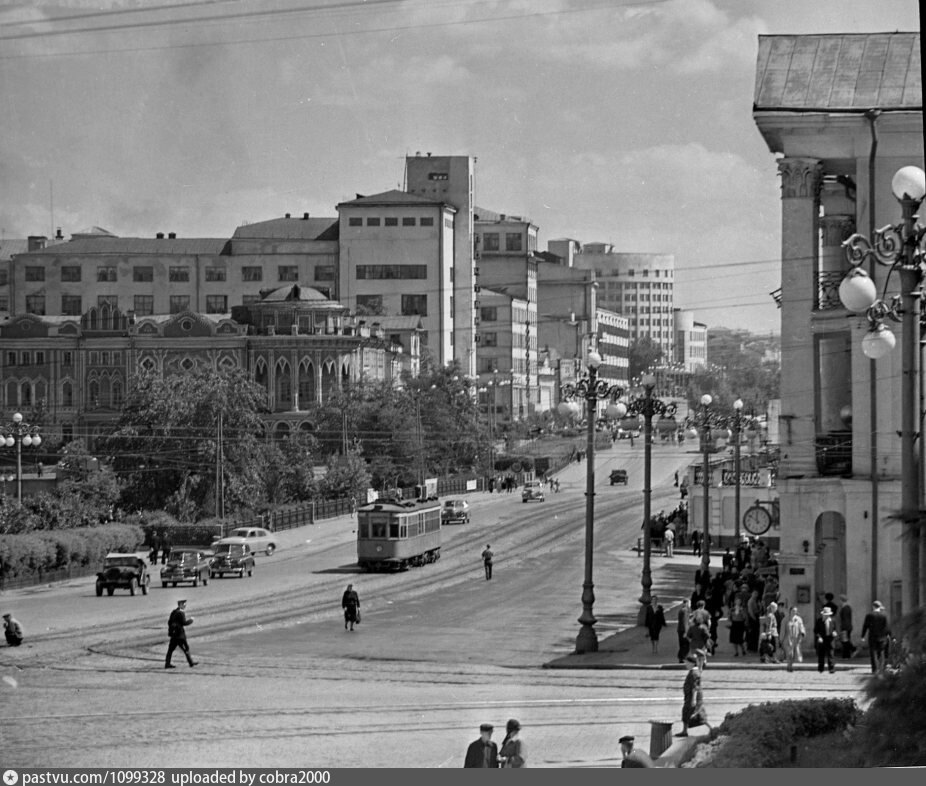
point(174, 584)
point(163, 585)
point(99, 588)
point(133, 585)
point(270, 549)
point(110, 590)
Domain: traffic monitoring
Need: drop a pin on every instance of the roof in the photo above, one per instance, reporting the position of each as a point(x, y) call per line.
point(295, 292)
point(11, 246)
point(839, 72)
point(109, 244)
point(483, 214)
point(395, 323)
point(393, 197)
point(303, 228)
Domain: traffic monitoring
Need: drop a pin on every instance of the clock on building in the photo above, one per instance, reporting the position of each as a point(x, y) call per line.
point(757, 520)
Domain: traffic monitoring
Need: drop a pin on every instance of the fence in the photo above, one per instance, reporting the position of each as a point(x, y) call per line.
point(290, 518)
point(49, 576)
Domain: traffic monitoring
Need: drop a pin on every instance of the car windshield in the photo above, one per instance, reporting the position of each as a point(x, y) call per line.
point(234, 549)
point(182, 556)
point(121, 562)
point(243, 533)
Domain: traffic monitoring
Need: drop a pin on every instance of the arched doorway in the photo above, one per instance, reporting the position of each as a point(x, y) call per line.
point(830, 548)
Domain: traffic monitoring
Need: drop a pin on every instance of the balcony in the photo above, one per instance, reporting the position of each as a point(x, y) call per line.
point(834, 454)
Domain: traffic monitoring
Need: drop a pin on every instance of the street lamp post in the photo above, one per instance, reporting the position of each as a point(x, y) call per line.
point(592, 390)
point(737, 433)
point(20, 434)
point(898, 247)
point(648, 406)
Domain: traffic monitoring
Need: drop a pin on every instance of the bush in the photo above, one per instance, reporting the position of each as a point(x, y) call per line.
point(761, 733)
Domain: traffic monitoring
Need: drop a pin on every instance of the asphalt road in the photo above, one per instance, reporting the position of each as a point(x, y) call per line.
point(440, 650)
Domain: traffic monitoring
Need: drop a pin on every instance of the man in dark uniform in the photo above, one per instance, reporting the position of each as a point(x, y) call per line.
point(176, 629)
point(824, 631)
point(878, 630)
point(631, 756)
point(482, 752)
point(487, 561)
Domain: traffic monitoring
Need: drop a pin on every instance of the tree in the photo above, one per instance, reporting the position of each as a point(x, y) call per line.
point(347, 476)
point(643, 354)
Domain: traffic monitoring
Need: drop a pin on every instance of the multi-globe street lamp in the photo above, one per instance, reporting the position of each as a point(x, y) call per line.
point(21, 435)
point(592, 390)
point(648, 406)
point(738, 423)
point(897, 246)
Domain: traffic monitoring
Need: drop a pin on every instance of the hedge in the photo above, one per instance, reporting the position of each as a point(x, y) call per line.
point(47, 550)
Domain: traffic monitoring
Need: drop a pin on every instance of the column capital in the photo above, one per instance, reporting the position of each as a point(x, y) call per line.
point(836, 229)
point(801, 178)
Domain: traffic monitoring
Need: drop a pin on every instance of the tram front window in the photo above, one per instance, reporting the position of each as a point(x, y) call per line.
point(393, 530)
point(379, 531)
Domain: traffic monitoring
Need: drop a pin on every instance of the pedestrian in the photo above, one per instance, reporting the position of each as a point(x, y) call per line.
point(696, 543)
point(655, 622)
point(681, 629)
point(165, 551)
point(40, 469)
point(482, 753)
point(726, 561)
point(831, 604)
point(513, 753)
point(824, 631)
point(738, 627)
point(876, 626)
point(153, 555)
point(753, 616)
point(699, 637)
point(693, 712)
point(676, 478)
point(13, 630)
point(556, 486)
point(176, 629)
point(631, 757)
point(769, 635)
point(350, 602)
point(792, 638)
point(669, 539)
point(353, 506)
point(844, 620)
point(487, 560)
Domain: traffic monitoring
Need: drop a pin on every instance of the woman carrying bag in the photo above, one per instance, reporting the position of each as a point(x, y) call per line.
point(513, 752)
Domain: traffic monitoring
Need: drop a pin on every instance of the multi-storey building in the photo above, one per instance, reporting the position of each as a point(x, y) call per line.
point(844, 113)
point(502, 354)
point(690, 342)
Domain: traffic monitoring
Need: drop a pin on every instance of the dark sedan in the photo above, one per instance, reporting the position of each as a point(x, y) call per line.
point(232, 555)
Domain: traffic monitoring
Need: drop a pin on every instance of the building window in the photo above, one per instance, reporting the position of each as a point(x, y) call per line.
point(4, 278)
point(391, 221)
point(369, 304)
point(67, 395)
point(373, 221)
point(11, 358)
point(370, 272)
point(216, 304)
point(70, 273)
point(490, 241)
point(489, 340)
point(513, 241)
point(35, 304)
point(143, 274)
point(106, 273)
point(252, 273)
point(179, 303)
point(25, 358)
point(71, 305)
point(215, 274)
point(488, 314)
point(324, 273)
point(35, 273)
point(355, 222)
point(288, 272)
point(67, 358)
point(408, 221)
point(4, 303)
point(107, 300)
point(144, 305)
point(415, 305)
point(178, 273)
point(426, 221)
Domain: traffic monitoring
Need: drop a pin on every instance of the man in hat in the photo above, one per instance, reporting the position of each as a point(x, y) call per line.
point(513, 753)
point(12, 630)
point(176, 629)
point(631, 757)
point(824, 632)
point(878, 630)
point(482, 752)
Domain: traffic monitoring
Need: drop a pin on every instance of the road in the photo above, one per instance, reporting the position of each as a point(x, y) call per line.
point(440, 650)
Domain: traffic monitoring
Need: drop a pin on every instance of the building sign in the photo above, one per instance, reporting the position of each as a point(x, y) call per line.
point(748, 478)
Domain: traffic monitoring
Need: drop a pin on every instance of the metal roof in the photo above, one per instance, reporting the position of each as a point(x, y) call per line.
point(11, 246)
point(108, 244)
point(392, 197)
point(839, 72)
point(290, 229)
point(398, 322)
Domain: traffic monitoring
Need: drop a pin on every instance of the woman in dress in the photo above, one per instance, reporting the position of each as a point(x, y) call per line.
point(792, 638)
point(769, 634)
point(738, 627)
point(655, 622)
point(513, 752)
point(693, 712)
point(350, 602)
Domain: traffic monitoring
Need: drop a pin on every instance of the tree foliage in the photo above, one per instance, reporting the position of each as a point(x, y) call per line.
point(643, 354)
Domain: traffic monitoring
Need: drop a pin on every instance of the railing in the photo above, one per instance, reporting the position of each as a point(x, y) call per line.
point(49, 576)
point(834, 453)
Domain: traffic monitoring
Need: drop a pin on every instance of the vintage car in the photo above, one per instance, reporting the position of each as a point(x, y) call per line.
point(618, 476)
point(455, 511)
point(186, 564)
point(232, 555)
point(259, 539)
point(533, 489)
point(123, 571)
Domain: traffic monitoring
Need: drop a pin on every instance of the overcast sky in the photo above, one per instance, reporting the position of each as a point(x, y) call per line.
point(600, 120)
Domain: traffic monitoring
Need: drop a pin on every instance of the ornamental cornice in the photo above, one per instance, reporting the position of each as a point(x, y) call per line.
point(801, 178)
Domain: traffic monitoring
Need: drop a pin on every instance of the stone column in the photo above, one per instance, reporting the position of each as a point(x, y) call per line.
point(801, 180)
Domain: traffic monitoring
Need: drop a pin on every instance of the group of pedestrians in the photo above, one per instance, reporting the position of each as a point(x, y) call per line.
point(506, 483)
point(485, 753)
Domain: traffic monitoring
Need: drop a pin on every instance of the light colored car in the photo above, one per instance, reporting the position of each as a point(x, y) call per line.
point(261, 541)
point(455, 511)
point(533, 489)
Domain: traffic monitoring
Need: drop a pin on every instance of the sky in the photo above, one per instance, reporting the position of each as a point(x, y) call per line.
point(599, 120)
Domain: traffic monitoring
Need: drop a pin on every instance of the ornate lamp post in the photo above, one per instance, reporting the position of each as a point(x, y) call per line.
point(20, 434)
point(648, 406)
point(592, 390)
point(897, 246)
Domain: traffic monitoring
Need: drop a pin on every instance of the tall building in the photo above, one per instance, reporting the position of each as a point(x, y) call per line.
point(690, 342)
point(843, 113)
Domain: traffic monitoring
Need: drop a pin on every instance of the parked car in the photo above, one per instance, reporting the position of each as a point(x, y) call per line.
point(533, 489)
point(618, 476)
point(123, 571)
point(186, 564)
point(455, 511)
point(232, 555)
point(260, 540)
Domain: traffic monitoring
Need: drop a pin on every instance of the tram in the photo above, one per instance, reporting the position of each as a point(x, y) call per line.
point(395, 535)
